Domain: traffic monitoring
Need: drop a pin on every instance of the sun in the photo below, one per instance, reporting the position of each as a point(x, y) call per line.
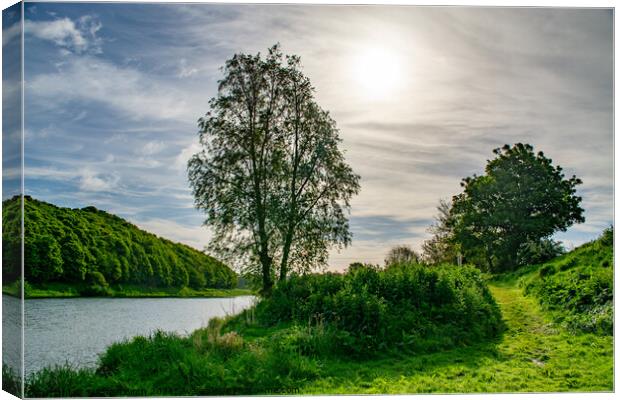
point(377, 72)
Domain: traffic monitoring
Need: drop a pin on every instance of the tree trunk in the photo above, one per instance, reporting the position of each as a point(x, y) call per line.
point(266, 272)
point(265, 259)
point(285, 254)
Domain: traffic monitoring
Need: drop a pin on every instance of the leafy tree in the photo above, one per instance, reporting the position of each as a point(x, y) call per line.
point(441, 248)
point(270, 176)
point(73, 245)
point(43, 257)
point(74, 259)
point(401, 254)
point(521, 198)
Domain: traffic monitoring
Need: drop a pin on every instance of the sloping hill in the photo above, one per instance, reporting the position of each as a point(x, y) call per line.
point(94, 249)
point(577, 288)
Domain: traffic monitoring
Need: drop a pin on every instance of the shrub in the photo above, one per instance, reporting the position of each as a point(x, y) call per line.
point(409, 306)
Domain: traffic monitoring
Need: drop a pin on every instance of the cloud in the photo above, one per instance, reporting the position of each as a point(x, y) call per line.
point(77, 36)
point(95, 182)
point(11, 33)
point(180, 162)
point(129, 91)
point(151, 148)
point(186, 71)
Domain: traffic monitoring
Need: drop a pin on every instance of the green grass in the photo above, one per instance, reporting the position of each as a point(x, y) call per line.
point(576, 288)
point(63, 290)
point(533, 354)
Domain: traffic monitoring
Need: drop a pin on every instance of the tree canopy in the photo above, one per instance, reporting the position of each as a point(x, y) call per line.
point(401, 254)
point(270, 176)
point(92, 246)
point(521, 199)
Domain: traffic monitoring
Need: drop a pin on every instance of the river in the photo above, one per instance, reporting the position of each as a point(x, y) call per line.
point(76, 330)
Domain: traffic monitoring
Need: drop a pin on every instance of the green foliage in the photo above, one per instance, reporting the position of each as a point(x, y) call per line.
point(578, 287)
point(10, 381)
point(94, 250)
point(270, 175)
point(407, 306)
point(521, 198)
point(11, 240)
point(537, 252)
point(533, 355)
point(206, 363)
point(401, 254)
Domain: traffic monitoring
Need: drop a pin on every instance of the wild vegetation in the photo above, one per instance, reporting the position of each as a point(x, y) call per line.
point(319, 334)
point(91, 252)
point(577, 288)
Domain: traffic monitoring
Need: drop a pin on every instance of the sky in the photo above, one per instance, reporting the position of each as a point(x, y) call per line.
point(421, 96)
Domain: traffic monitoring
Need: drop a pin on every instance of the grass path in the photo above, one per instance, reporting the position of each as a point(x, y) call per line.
point(532, 355)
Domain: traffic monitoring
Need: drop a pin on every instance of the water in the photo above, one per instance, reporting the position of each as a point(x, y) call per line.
point(12, 333)
point(77, 330)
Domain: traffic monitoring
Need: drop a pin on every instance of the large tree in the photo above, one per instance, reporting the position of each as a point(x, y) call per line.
point(270, 177)
point(521, 198)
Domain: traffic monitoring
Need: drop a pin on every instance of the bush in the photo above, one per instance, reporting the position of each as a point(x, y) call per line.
point(409, 306)
point(578, 287)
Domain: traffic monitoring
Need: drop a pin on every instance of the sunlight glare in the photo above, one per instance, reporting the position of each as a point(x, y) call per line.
point(378, 72)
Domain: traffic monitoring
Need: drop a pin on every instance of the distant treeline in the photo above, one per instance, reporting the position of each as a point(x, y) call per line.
point(93, 247)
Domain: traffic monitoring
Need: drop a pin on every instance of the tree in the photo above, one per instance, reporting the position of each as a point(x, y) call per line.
point(270, 177)
point(401, 254)
point(441, 248)
point(521, 198)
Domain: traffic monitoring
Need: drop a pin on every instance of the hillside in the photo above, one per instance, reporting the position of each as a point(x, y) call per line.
point(96, 252)
point(576, 288)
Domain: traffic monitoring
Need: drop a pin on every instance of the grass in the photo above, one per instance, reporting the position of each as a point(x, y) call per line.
point(64, 290)
point(534, 353)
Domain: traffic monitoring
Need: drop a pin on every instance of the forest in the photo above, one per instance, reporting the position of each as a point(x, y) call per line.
point(94, 250)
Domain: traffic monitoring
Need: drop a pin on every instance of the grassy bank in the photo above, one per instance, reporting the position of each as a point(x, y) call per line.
point(331, 334)
point(62, 290)
point(534, 354)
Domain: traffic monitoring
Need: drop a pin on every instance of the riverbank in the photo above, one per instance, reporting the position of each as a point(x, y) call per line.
point(66, 290)
point(533, 354)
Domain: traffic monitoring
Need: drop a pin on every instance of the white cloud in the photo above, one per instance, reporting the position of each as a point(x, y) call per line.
point(75, 36)
point(151, 148)
point(180, 162)
point(95, 182)
point(62, 32)
point(185, 70)
point(10, 33)
point(128, 90)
